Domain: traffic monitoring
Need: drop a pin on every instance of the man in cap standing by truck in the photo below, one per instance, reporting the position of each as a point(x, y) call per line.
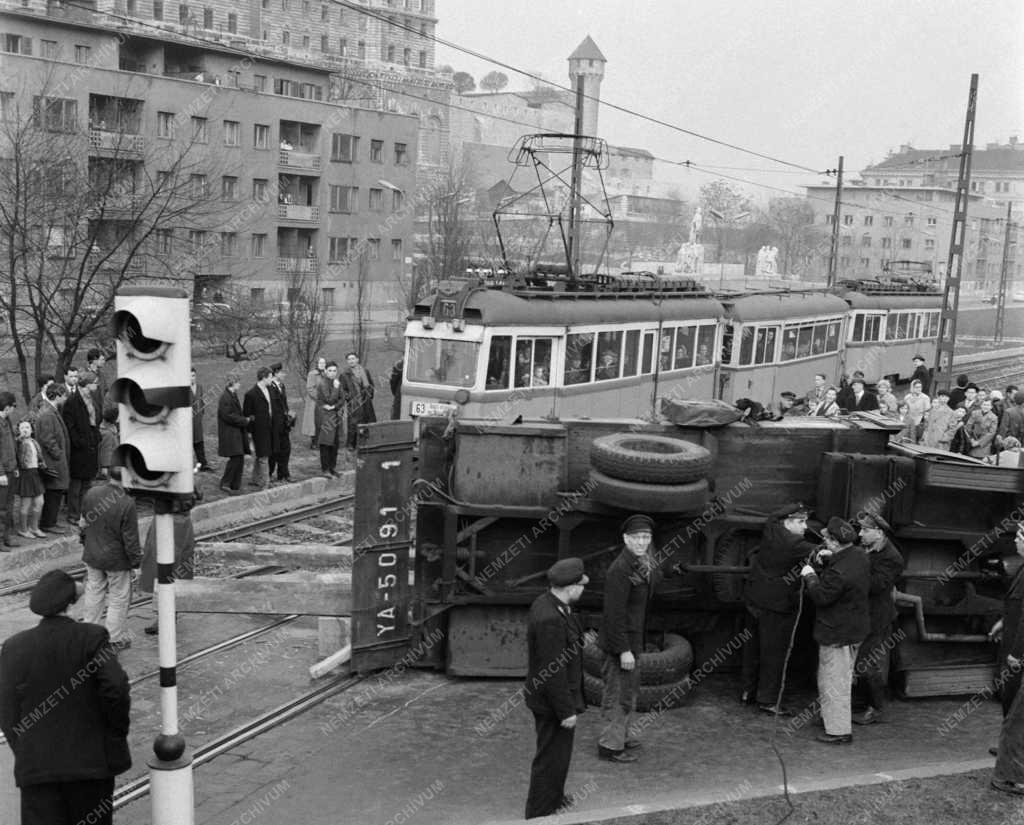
point(838, 585)
point(885, 565)
point(628, 586)
point(554, 684)
point(1008, 775)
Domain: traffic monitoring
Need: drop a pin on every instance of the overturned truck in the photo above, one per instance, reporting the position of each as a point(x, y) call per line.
point(497, 503)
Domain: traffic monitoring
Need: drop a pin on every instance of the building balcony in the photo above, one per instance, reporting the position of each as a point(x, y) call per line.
point(303, 266)
point(298, 160)
point(306, 214)
point(117, 142)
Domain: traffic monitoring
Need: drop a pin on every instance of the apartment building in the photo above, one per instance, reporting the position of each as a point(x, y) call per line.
point(299, 184)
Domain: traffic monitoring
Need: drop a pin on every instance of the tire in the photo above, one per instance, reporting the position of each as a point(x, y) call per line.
point(669, 665)
point(649, 697)
point(655, 459)
point(648, 498)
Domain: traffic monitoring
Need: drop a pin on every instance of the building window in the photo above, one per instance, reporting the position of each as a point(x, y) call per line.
point(865, 241)
point(227, 244)
point(342, 47)
point(423, 60)
point(390, 52)
point(207, 18)
point(344, 148)
point(183, 15)
point(165, 124)
point(199, 133)
point(830, 219)
point(340, 248)
point(229, 188)
point(305, 41)
point(7, 106)
point(377, 151)
point(396, 249)
point(256, 295)
point(325, 43)
point(373, 249)
point(323, 14)
point(376, 202)
point(196, 239)
point(361, 47)
point(16, 43)
point(260, 82)
point(158, 9)
point(848, 220)
point(397, 200)
point(344, 198)
point(232, 23)
point(232, 133)
point(869, 220)
point(929, 244)
point(55, 114)
point(887, 220)
point(199, 186)
point(328, 296)
point(259, 189)
point(286, 37)
point(401, 154)
point(886, 243)
point(932, 221)
point(865, 263)
point(908, 220)
point(257, 246)
point(83, 54)
point(164, 241)
point(261, 136)
point(50, 49)
point(906, 243)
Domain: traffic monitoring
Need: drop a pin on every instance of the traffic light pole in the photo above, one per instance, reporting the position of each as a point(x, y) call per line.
point(170, 779)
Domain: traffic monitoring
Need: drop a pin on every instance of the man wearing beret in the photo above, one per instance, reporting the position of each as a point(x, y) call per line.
point(1009, 632)
point(554, 684)
point(838, 586)
point(771, 600)
point(64, 709)
point(886, 566)
point(628, 587)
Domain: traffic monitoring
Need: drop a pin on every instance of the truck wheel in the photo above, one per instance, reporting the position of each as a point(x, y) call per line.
point(652, 458)
point(666, 666)
point(649, 697)
point(648, 498)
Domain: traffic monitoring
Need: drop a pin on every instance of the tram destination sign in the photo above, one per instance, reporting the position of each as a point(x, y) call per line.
point(380, 549)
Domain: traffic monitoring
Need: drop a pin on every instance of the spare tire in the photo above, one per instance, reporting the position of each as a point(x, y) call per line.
point(649, 697)
point(670, 664)
point(648, 498)
point(652, 458)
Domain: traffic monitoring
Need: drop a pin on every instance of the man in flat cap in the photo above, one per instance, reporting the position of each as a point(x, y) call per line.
point(790, 406)
point(64, 709)
point(771, 598)
point(554, 684)
point(838, 585)
point(921, 373)
point(1008, 775)
point(628, 587)
point(885, 565)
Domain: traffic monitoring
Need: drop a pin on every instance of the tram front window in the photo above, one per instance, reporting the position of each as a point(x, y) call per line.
point(436, 361)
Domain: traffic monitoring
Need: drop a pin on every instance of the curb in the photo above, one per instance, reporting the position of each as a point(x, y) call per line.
point(28, 563)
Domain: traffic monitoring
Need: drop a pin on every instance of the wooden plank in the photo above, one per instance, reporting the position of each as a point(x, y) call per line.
point(312, 555)
point(321, 595)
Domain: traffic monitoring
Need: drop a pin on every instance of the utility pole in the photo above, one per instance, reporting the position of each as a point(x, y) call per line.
point(1004, 276)
point(955, 264)
point(834, 250)
point(575, 241)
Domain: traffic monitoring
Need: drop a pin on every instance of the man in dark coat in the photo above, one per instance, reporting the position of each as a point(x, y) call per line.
point(628, 587)
point(256, 405)
point(330, 417)
point(64, 709)
point(112, 555)
point(860, 398)
point(282, 422)
point(8, 470)
point(773, 585)
point(360, 391)
point(921, 374)
point(838, 584)
point(395, 383)
point(1008, 775)
point(554, 684)
point(959, 392)
point(95, 360)
point(52, 435)
point(198, 414)
point(83, 445)
point(886, 566)
point(1011, 425)
point(232, 436)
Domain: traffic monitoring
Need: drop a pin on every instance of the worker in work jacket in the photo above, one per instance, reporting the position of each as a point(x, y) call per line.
point(772, 588)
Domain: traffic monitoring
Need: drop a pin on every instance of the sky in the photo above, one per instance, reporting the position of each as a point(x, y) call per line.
point(798, 81)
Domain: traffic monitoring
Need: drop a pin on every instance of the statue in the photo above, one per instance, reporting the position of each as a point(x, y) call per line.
point(695, 226)
point(771, 260)
point(690, 260)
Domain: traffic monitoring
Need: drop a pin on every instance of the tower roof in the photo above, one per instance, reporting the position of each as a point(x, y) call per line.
point(587, 50)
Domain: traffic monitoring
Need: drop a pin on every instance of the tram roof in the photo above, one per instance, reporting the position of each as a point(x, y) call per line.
point(783, 306)
point(859, 300)
point(494, 307)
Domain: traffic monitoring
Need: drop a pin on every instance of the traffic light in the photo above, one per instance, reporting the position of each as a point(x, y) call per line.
point(153, 390)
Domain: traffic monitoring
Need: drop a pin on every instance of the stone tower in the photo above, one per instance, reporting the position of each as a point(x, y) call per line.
point(588, 62)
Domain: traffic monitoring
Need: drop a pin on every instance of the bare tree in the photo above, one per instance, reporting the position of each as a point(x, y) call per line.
point(240, 328)
point(305, 319)
point(360, 331)
point(450, 226)
point(792, 224)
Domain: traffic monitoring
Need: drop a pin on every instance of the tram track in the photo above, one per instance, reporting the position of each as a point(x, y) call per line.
point(139, 788)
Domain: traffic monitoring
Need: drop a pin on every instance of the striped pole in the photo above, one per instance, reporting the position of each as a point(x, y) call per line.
point(171, 784)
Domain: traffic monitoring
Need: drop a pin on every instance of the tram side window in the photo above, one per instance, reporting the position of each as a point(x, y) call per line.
point(904, 328)
point(865, 327)
point(609, 351)
point(579, 355)
point(789, 344)
point(890, 326)
point(647, 358)
point(832, 337)
point(498, 360)
point(631, 353)
point(436, 361)
point(684, 348)
point(665, 349)
point(818, 339)
point(764, 350)
point(533, 362)
point(803, 341)
point(858, 327)
point(933, 325)
point(705, 344)
point(727, 339)
point(747, 346)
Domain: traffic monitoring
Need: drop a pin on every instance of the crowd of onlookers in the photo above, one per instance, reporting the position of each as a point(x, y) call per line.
point(980, 422)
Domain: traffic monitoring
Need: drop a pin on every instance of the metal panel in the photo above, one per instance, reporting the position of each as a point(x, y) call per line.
point(380, 549)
